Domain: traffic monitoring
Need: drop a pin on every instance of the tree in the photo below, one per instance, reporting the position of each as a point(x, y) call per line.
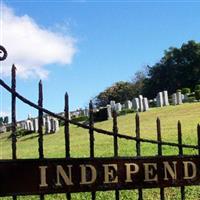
point(119, 92)
point(179, 68)
point(1, 121)
point(5, 120)
point(138, 80)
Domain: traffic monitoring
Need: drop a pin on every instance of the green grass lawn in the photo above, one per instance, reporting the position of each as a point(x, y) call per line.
point(188, 114)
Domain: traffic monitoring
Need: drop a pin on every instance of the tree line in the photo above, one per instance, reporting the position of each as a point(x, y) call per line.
point(178, 68)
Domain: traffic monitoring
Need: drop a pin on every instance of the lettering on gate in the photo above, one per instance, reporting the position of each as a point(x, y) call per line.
point(81, 175)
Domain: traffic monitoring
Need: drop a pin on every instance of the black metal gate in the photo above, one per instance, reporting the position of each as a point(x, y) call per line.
point(115, 134)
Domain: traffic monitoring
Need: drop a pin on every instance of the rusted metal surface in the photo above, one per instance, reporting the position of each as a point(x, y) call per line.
point(40, 125)
point(115, 144)
point(67, 136)
point(40, 121)
point(13, 106)
point(91, 138)
point(3, 53)
point(159, 138)
point(66, 124)
point(138, 149)
point(181, 154)
point(21, 177)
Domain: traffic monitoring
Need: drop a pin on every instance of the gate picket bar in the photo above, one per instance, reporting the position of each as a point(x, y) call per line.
point(98, 166)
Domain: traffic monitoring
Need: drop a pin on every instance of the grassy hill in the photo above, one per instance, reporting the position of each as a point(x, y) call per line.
point(188, 114)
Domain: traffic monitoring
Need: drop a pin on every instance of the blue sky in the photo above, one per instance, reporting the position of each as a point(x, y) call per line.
point(111, 41)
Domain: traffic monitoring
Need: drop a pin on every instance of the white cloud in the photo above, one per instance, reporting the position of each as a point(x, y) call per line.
point(31, 47)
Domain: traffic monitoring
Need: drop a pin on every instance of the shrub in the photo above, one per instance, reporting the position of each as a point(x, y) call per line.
point(185, 91)
point(197, 87)
point(190, 99)
point(152, 104)
point(21, 132)
point(80, 119)
point(178, 90)
point(197, 94)
point(126, 111)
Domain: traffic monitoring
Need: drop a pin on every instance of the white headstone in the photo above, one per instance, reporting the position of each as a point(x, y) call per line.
point(56, 125)
point(118, 107)
point(35, 125)
point(112, 103)
point(165, 98)
point(179, 98)
point(174, 99)
point(52, 125)
point(47, 125)
point(24, 126)
point(128, 105)
point(86, 112)
point(141, 107)
point(145, 104)
point(109, 111)
point(159, 99)
point(135, 103)
point(185, 97)
point(30, 125)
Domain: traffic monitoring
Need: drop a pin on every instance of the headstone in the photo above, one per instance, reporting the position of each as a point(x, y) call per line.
point(112, 103)
point(52, 128)
point(165, 98)
point(56, 125)
point(30, 125)
point(128, 105)
point(86, 112)
point(135, 103)
point(109, 111)
point(174, 99)
point(179, 98)
point(44, 121)
point(47, 125)
point(141, 107)
point(118, 107)
point(25, 125)
point(145, 104)
point(35, 125)
point(185, 97)
point(159, 99)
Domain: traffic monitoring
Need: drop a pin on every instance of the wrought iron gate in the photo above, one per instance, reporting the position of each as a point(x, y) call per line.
point(92, 160)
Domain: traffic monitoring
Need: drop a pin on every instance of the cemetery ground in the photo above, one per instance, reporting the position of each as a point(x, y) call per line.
point(188, 114)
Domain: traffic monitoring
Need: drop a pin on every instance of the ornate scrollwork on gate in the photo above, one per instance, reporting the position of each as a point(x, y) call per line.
point(3, 53)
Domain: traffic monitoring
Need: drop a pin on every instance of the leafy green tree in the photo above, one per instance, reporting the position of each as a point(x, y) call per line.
point(5, 120)
point(119, 92)
point(197, 87)
point(1, 121)
point(185, 91)
point(197, 94)
point(179, 68)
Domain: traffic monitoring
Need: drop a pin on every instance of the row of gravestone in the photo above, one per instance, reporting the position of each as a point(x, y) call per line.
point(141, 103)
point(50, 124)
point(163, 100)
point(138, 104)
